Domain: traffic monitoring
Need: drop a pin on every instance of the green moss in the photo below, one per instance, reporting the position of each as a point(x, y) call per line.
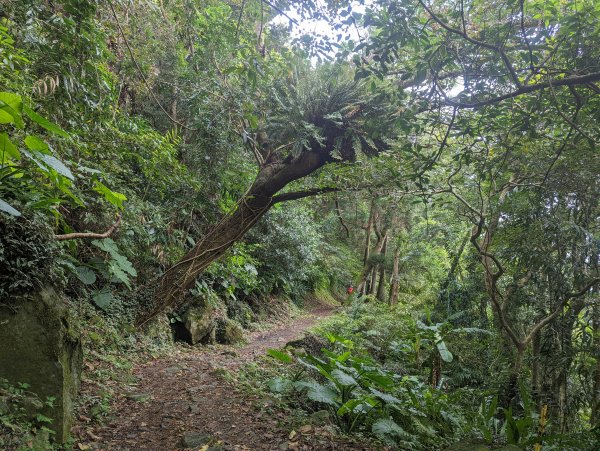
point(229, 332)
point(40, 349)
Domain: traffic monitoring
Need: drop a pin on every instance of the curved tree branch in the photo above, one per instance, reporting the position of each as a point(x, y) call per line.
point(77, 235)
point(339, 215)
point(293, 195)
point(573, 80)
point(559, 309)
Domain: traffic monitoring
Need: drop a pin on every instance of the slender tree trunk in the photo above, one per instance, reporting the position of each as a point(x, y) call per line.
point(363, 287)
point(381, 286)
point(436, 370)
point(174, 107)
point(444, 295)
point(368, 281)
point(368, 231)
point(373, 281)
point(177, 280)
point(536, 370)
point(395, 274)
point(511, 387)
point(562, 401)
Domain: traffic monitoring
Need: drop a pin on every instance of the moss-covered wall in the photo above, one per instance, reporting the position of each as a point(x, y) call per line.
point(37, 347)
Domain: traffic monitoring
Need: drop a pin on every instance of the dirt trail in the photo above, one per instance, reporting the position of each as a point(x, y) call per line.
point(184, 396)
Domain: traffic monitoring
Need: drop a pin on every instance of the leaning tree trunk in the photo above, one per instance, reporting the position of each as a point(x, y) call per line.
point(261, 196)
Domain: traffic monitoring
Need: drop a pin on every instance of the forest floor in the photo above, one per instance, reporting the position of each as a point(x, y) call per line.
point(189, 399)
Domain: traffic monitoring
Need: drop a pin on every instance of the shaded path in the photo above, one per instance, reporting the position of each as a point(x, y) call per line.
point(185, 395)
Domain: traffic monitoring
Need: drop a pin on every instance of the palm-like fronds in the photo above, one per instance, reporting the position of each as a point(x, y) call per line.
point(326, 111)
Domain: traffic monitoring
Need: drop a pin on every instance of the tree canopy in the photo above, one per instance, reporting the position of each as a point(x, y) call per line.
point(438, 156)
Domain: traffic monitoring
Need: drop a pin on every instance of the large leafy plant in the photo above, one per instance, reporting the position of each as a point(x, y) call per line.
point(361, 395)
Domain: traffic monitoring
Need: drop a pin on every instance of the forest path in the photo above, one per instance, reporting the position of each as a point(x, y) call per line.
point(183, 401)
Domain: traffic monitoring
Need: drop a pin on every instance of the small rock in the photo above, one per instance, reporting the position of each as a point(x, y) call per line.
point(173, 370)
point(305, 429)
point(320, 416)
point(139, 397)
point(195, 439)
point(194, 408)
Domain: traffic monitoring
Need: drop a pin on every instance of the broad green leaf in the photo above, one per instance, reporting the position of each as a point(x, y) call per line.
point(12, 100)
point(384, 396)
point(281, 356)
point(5, 117)
point(35, 143)
point(85, 274)
point(381, 379)
point(8, 209)
point(111, 196)
point(10, 109)
point(57, 165)
point(125, 265)
point(103, 299)
point(8, 149)
point(343, 378)
point(107, 245)
point(343, 357)
point(384, 427)
point(347, 407)
point(444, 353)
point(45, 123)
point(118, 273)
point(318, 392)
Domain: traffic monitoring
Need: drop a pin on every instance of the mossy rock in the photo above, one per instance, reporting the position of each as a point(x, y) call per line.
point(229, 332)
point(310, 343)
point(40, 348)
point(240, 312)
point(196, 326)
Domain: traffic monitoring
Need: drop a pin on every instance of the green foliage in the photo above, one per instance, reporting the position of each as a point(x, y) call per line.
point(168, 142)
point(361, 394)
point(289, 252)
point(22, 426)
point(28, 255)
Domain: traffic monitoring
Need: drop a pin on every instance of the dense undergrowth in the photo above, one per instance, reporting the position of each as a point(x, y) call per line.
point(373, 377)
point(148, 121)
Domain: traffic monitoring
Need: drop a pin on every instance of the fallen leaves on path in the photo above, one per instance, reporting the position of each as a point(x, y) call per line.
point(182, 401)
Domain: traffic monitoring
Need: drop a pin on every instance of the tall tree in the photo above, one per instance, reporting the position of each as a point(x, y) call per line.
point(325, 118)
